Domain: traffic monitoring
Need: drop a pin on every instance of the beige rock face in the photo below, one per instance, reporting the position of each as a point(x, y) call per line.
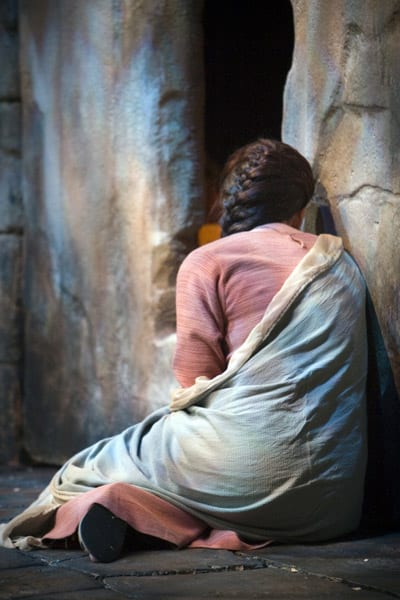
point(112, 96)
point(342, 106)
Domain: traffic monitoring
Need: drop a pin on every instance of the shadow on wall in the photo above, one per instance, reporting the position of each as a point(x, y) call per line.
point(382, 494)
point(248, 50)
point(382, 487)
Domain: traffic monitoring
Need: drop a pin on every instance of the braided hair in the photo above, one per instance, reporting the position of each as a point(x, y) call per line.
point(264, 182)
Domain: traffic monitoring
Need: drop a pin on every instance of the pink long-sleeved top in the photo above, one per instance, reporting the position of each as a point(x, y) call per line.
point(223, 289)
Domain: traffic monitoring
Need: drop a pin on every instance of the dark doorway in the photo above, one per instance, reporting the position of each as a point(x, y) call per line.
point(248, 47)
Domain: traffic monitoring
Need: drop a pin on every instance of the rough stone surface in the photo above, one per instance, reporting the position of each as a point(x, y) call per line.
point(9, 73)
point(266, 583)
point(10, 193)
point(342, 102)
point(18, 584)
point(112, 96)
point(369, 561)
point(10, 121)
point(10, 235)
point(20, 486)
point(9, 414)
point(10, 132)
point(10, 317)
point(9, 14)
point(167, 561)
point(10, 347)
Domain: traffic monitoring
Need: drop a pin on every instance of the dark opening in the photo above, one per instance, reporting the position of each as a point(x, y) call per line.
point(248, 48)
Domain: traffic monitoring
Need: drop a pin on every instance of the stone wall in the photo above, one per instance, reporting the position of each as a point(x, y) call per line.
point(342, 107)
point(10, 234)
point(112, 169)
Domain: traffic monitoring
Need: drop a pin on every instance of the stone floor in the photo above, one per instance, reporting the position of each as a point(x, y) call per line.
point(362, 567)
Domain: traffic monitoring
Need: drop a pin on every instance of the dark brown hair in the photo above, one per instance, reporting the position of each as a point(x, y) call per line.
point(266, 181)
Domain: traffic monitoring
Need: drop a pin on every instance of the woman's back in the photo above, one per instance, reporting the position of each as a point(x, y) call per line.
point(223, 289)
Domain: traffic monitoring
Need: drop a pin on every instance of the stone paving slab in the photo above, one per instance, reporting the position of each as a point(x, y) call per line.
point(90, 594)
point(17, 560)
point(167, 562)
point(264, 583)
point(371, 561)
point(379, 573)
point(42, 580)
point(362, 546)
point(19, 487)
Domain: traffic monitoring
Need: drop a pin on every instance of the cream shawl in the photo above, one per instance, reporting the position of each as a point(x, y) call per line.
point(275, 446)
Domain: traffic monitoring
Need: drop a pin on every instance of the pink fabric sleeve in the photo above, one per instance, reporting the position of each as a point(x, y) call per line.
point(200, 320)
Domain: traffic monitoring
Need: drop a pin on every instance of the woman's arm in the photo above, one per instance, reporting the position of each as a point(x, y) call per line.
point(200, 319)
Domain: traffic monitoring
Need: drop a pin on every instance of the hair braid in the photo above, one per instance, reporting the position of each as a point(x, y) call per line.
point(263, 182)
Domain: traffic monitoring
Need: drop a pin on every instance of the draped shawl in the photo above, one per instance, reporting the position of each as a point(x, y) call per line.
point(272, 448)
